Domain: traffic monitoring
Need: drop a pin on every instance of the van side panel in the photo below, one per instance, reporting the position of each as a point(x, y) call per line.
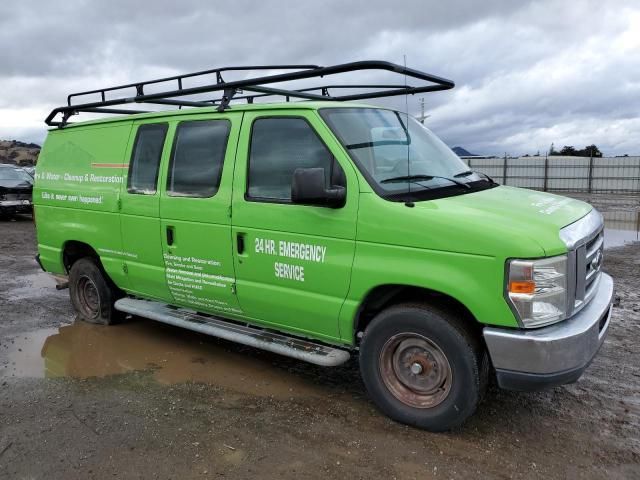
point(76, 196)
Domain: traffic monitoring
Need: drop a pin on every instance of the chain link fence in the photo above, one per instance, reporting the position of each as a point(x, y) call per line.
point(563, 174)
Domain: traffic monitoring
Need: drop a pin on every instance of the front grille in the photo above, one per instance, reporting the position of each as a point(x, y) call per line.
point(594, 255)
point(588, 261)
point(585, 243)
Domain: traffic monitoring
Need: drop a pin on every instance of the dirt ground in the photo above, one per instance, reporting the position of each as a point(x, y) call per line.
point(145, 400)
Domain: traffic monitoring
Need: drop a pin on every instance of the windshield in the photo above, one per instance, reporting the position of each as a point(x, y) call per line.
point(8, 173)
point(398, 157)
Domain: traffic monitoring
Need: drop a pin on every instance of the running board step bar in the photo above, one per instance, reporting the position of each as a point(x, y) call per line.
point(254, 337)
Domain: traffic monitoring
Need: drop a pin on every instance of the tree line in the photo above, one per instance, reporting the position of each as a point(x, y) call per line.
point(571, 151)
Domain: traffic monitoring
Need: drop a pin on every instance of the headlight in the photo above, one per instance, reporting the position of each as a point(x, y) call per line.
point(537, 290)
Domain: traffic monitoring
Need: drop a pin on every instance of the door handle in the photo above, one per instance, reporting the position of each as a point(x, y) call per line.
point(170, 235)
point(240, 243)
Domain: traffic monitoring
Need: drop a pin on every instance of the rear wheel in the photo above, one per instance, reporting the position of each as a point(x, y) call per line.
point(92, 293)
point(423, 367)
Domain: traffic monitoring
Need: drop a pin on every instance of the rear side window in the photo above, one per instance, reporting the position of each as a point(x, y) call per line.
point(278, 147)
point(198, 157)
point(145, 160)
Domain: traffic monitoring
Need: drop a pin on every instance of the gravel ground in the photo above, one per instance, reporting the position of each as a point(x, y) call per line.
point(144, 400)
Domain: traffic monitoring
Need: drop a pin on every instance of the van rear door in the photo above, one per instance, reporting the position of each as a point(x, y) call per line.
point(195, 208)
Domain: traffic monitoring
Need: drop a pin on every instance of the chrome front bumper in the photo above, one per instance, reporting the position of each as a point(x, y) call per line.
point(553, 355)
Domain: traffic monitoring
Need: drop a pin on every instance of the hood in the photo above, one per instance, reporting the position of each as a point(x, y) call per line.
point(499, 222)
point(15, 185)
point(519, 212)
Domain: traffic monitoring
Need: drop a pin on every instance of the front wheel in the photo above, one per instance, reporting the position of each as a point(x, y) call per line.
point(423, 367)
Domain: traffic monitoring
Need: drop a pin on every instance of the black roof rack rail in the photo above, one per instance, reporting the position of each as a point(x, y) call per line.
point(259, 86)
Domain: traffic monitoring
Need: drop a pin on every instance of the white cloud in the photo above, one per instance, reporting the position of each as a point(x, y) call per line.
point(527, 73)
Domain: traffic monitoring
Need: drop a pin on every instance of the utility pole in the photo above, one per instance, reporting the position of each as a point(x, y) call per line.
point(422, 116)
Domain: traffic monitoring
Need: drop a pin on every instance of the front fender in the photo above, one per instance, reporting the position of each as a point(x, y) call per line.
point(476, 281)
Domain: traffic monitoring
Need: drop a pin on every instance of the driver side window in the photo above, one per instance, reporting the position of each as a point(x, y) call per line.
point(278, 147)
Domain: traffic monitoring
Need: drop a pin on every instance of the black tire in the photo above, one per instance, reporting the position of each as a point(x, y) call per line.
point(92, 293)
point(423, 367)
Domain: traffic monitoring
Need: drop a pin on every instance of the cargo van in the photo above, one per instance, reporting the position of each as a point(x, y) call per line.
point(321, 229)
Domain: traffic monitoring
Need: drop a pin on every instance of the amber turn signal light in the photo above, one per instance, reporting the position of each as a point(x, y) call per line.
point(522, 287)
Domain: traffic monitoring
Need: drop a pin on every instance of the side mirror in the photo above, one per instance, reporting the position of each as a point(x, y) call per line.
point(309, 188)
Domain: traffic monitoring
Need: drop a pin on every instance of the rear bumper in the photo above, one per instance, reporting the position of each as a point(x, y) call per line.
point(554, 355)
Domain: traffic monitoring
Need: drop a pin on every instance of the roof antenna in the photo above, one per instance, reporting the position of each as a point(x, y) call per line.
point(406, 110)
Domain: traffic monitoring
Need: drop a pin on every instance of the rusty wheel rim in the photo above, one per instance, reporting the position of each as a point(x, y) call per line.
point(415, 370)
point(88, 297)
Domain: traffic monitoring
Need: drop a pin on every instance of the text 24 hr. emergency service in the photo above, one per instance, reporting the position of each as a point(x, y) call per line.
point(300, 251)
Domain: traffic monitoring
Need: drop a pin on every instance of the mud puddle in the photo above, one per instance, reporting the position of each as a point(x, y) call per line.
point(172, 355)
point(618, 238)
point(621, 228)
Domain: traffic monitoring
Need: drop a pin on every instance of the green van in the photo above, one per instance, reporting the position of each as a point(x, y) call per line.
point(321, 229)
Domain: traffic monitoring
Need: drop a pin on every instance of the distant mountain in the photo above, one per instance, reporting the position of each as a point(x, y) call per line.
point(19, 153)
point(461, 152)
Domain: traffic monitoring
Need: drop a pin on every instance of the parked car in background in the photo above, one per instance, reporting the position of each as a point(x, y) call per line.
point(16, 187)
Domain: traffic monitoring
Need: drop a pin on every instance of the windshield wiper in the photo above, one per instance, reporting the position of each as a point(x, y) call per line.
point(489, 179)
point(466, 173)
point(415, 178)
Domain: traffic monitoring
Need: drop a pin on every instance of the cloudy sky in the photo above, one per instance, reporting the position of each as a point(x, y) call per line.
point(527, 73)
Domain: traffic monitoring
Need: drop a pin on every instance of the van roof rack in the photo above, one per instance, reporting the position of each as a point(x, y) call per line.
point(258, 86)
